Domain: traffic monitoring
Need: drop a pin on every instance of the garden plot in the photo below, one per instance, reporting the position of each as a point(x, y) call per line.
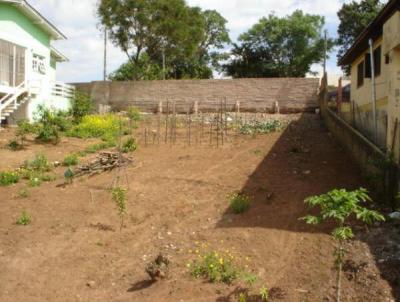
point(70, 244)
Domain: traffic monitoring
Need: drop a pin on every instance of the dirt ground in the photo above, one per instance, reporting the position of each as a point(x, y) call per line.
point(74, 251)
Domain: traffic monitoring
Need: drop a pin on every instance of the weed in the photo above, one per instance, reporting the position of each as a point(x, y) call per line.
point(8, 178)
point(71, 160)
point(24, 219)
point(119, 197)
point(35, 182)
point(81, 105)
point(69, 175)
point(129, 145)
point(25, 128)
point(97, 147)
point(23, 193)
point(264, 294)
point(242, 297)
point(239, 203)
point(133, 113)
point(14, 145)
point(50, 123)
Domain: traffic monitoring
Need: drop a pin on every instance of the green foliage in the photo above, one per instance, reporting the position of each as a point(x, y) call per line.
point(279, 47)
point(81, 105)
point(256, 127)
point(24, 219)
point(119, 197)
point(97, 126)
point(242, 297)
point(239, 203)
point(69, 175)
point(35, 171)
point(71, 160)
point(129, 145)
point(215, 267)
point(8, 178)
point(14, 145)
point(354, 18)
point(339, 206)
point(144, 30)
point(133, 113)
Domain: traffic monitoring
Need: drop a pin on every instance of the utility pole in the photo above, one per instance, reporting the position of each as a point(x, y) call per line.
point(105, 55)
point(373, 90)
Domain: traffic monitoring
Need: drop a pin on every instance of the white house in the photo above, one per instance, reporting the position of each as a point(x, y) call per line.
point(28, 63)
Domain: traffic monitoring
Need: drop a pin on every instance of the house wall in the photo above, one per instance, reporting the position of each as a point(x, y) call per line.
point(16, 28)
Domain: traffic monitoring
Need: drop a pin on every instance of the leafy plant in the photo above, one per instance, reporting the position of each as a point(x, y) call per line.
point(50, 123)
point(129, 145)
point(256, 127)
point(24, 219)
point(119, 197)
point(8, 178)
point(97, 147)
point(239, 203)
point(71, 160)
point(69, 175)
point(242, 297)
point(25, 128)
point(340, 206)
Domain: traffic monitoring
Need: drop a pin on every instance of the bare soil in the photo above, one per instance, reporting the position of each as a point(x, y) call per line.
point(73, 249)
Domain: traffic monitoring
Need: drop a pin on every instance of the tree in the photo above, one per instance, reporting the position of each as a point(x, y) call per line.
point(340, 206)
point(279, 47)
point(149, 30)
point(354, 18)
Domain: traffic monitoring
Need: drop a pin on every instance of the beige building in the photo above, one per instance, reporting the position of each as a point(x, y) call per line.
point(377, 89)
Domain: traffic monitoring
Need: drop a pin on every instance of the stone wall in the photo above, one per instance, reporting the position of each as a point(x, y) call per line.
point(251, 95)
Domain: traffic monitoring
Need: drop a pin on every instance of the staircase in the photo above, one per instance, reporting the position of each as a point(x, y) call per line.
point(12, 101)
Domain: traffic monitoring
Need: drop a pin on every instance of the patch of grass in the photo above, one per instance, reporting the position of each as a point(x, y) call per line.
point(8, 178)
point(129, 145)
point(97, 147)
point(239, 203)
point(71, 160)
point(24, 219)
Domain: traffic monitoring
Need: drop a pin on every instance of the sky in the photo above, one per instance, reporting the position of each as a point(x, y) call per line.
point(84, 46)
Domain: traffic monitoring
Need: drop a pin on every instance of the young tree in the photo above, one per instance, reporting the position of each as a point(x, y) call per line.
point(340, 206)
point(279, 47)
point(354, 18)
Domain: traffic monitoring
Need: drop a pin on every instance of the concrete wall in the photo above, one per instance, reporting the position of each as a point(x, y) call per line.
point(254, 95)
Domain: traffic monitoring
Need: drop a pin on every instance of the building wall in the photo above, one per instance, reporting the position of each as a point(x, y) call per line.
point(261, 95)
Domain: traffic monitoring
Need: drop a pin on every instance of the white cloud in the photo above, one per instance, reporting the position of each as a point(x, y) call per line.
point(84, 47)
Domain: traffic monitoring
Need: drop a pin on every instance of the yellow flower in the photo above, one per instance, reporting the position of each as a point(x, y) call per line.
point(211, 265)
point(221, 261)
point(188, 265)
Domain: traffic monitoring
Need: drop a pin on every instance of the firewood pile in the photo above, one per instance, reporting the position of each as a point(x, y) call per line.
point(105, 161)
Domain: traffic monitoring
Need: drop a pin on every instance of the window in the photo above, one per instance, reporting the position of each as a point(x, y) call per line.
point(377, 61)
point(367, 66)
point(38, 64)
point(360, 74)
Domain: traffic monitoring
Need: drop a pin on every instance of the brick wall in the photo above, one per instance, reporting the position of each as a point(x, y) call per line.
point(253, 95)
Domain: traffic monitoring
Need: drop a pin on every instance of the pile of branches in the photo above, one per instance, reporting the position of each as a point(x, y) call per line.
point(105, 161)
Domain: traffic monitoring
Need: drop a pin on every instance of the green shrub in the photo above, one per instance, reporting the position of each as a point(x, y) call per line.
point(14, 145)
point(239, 203)
point(97, 126)
point(129, 145)
point(8, 178)
point(133, 114)
point(24, 219)
point(81, 106)
point(50, 123)
point(71, 160)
